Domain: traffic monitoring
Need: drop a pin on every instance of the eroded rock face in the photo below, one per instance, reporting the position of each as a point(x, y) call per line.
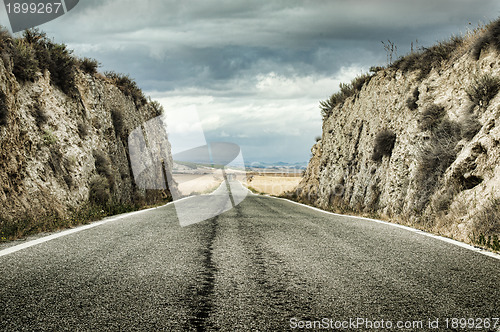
point(443, 171)
point(52, 146)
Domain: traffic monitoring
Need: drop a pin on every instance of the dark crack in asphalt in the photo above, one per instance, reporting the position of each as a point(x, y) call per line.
point(203, 300)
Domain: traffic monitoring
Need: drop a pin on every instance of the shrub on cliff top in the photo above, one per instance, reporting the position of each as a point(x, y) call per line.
point(25, 62)
point(431, 117)
point(89, 65)
point(490, 38)
point(34, 52)
point(427, 58)
point(128, 86)
point(346, 91)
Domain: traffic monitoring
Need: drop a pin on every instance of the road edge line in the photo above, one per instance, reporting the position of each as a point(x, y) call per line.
point(18, 247)
point(25, 245)
point(408, 228)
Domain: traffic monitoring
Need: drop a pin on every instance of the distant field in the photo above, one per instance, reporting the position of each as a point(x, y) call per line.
point(190, 184)
point(273, 183)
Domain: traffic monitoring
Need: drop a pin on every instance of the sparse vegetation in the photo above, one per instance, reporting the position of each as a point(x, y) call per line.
point(158, 109)
point(83, 129)
point(470, 127)
point(346, 91)
point(490, 38)
point(33, 223)
point(103, 167)
point(391, 49)
point(102, 163)
point(4, 110)
point(39, 114)
point(384, 144)
point(34, 53)
point(483, 90)
point(411, 102)
point(48, 137)
point(486, 225)
point(128, 86)
point(25, 63)
point(99, 191)
point(431, 117)
point(89, 66)
point(68, 179)
point(118, 122)
point(436, 156)
point(425, 59)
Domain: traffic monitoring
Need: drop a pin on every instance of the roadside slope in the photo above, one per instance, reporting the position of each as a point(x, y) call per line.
point(64, 137)
point(417, 142)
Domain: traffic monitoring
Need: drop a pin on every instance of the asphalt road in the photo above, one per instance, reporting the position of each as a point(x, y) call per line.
point(266, 265)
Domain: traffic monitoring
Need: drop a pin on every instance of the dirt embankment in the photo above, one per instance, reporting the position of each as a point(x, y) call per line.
point(64, 155)
point(418, 142)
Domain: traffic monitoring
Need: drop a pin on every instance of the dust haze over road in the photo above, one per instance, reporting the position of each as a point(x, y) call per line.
point(259, 266)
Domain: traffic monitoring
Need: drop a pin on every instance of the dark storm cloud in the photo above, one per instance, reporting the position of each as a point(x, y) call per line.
point(217, 40)
point(229, 54)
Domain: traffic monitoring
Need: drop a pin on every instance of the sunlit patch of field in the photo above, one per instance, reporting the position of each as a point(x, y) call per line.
point(191, 184)
point(273, 183)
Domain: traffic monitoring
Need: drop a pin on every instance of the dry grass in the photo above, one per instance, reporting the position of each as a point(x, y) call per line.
point(273, 184)
point(191, 184)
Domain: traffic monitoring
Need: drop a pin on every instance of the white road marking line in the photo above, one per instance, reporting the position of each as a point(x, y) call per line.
point(22, 246)
point(32, 243)
point(414, 230)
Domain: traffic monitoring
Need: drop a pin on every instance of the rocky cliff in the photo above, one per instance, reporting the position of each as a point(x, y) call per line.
point(417, 142)
point(63, 139)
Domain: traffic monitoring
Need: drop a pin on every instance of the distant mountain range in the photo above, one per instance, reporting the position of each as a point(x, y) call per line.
point(275, 165)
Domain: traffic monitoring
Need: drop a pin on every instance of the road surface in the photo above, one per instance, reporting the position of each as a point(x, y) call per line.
point(266, 265)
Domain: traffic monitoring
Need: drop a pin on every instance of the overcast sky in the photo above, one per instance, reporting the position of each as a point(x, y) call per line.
point(255, 70)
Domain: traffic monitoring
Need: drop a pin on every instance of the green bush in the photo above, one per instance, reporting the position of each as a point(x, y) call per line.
point(431, 117)
point(62, 69)
point(34, 52)
point(359, 81)
point(48, 137)
point(490, 38)
point(483, 89)
point(384, 144)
